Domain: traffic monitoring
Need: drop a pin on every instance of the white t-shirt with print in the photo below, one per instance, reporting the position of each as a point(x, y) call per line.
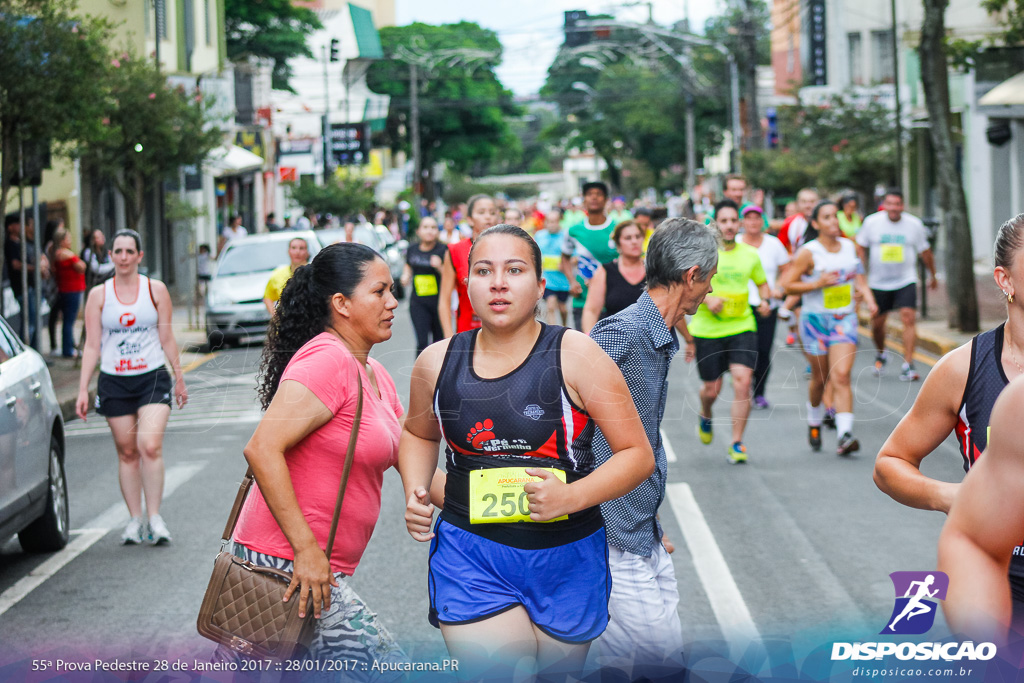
point(894, 248)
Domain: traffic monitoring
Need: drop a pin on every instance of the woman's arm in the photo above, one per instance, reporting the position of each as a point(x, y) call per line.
point(444, 297)
point(930, 420)
point(866, 294)
point(164, 310)
point(801, 265)
point(91, 352)
point(595, 299)
point(421, 437)
point(596, 383)
point(406, 278)
point(984, 525)
point(294, 414)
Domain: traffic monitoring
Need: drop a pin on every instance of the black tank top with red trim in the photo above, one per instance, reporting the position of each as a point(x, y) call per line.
point(986, 379)
point(523, 419)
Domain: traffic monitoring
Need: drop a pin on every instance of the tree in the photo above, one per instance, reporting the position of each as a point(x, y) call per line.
point(844, 144)
point(51, 66)
point(743, 29)
point(340, 197)
point(275, 30)
point(959, 252)
point(627, 97)
point(462, 104)
point(1012, 12)
point(149, 130)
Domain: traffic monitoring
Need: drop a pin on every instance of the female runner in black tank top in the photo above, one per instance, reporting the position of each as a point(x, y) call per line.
point(957, 397)
point(522, 395)
point(610, 291)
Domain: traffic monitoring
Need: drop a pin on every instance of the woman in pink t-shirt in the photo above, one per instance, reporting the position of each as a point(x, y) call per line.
point(331, 313)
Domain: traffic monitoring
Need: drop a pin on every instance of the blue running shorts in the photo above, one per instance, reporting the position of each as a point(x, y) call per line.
point(564, 589)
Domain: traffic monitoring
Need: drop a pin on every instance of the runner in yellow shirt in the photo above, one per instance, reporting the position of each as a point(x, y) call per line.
point(725, 331)
point(298, 255)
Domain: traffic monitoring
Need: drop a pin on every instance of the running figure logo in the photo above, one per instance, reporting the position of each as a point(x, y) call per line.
point(917, 595)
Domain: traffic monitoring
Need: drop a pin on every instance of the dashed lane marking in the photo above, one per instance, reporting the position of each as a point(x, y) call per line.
point(722, 592)
point(95, 529)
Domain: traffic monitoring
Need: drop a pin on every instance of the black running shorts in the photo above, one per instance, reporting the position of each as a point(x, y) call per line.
point(117, 396)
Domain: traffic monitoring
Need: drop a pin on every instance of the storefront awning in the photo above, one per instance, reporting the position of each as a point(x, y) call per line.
point(233, 160)
point(1008, 93)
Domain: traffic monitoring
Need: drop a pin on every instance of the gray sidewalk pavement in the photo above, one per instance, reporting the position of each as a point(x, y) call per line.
point(65, 372)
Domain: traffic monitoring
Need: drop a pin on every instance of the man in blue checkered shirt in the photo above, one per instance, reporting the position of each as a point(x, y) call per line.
point(644, 632)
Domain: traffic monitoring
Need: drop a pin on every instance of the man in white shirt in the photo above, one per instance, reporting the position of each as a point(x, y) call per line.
point(889, 243)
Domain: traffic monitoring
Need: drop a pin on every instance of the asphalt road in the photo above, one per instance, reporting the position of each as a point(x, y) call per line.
point(793, 547)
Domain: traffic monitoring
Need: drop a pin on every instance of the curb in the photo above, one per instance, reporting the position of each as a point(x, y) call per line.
point(935, 344)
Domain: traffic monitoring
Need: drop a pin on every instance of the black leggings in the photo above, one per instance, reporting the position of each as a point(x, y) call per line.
point(765, 337)
point(426, 321)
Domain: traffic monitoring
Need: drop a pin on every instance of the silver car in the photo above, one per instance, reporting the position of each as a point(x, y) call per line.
point(33, 486)
point(235, 312)
point(380, 240)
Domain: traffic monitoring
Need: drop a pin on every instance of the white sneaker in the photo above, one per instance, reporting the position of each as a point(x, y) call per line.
point(133, 532)
point(158, 533)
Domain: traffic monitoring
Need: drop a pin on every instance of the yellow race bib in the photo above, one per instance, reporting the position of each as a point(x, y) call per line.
point(892, 253)
point(497, 495)
point(426, 285)
point(838, 296)
point(735, 305)
point(552, 262)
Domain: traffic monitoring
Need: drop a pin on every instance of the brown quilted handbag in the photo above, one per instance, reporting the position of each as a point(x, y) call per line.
point(243, 608)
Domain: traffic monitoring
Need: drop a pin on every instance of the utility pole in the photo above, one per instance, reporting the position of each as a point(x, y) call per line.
point(327, 119)
point(896, 90)
point(414, 122)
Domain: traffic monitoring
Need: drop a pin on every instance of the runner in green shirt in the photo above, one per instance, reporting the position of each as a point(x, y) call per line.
point(592, 245)
point(725, 331)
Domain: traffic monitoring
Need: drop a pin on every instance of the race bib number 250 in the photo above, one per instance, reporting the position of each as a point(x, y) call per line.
point(498, 496)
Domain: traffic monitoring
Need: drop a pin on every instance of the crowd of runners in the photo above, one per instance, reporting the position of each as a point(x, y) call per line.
point(546, 552)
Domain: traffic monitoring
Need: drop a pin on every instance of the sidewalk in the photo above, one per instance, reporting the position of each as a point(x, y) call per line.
point(65, 372)
point(934, 335)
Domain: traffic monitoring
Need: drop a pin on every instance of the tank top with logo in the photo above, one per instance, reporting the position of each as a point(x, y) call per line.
point(836, 299)
point(986, 379)
point(131, 341)
point(522, 419)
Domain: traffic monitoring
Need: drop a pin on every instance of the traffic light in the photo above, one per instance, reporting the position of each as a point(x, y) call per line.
point(576, 35)
point(335, 46)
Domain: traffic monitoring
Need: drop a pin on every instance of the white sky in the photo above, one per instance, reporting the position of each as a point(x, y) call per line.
point(531, 30)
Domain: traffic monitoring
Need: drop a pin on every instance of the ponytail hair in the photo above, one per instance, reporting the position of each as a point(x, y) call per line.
point(304, 310)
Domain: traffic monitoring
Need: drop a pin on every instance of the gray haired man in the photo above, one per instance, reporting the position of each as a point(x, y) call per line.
point(644, 633)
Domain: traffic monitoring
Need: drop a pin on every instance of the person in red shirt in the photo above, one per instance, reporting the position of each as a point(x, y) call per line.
point(481, 213)
point(70, 271)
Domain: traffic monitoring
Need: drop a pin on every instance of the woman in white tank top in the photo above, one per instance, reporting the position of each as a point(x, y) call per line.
point(828, 275)
point(128, 330)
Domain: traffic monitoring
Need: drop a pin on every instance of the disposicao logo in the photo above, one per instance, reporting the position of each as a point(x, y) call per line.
point(917, 596)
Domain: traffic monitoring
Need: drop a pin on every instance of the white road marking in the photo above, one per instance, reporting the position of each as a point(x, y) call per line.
point(95, 529)
point(670, 453)
point(724, 595)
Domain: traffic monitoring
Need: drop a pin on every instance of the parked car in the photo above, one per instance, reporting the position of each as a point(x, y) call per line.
point(380, 240)
point(33, 485)
point(235, 312)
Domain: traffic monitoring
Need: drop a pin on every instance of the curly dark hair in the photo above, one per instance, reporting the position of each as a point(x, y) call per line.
point(304, 309)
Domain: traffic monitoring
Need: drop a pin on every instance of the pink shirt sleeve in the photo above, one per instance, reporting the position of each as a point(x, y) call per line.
point(326, 368)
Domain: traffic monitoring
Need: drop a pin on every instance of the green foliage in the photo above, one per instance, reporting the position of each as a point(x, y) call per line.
point(51, 61)
point(340, 197)
point(1012, 12)
point(148, 131)
point(635, 110)
point(840, 145)
point(462, 104)
point(741, 25)
point(269, 29)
